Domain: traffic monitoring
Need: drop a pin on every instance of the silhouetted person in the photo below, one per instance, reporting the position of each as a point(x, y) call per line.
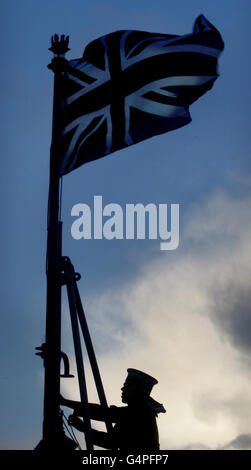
point(135, 426)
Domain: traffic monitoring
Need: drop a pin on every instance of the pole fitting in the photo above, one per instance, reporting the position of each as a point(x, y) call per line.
point(67, 270)
point(59, 47)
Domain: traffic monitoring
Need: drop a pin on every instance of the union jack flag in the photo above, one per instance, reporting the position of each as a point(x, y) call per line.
point(132, 85)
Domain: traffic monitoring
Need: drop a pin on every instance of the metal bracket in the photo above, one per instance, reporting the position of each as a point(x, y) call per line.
point(66, 366)
point(66, 267)
point(42, 354)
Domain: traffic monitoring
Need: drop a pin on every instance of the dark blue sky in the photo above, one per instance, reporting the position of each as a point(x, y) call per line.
point(188, 166)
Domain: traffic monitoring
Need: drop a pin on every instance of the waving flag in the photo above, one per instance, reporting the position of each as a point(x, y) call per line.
point(132, 85)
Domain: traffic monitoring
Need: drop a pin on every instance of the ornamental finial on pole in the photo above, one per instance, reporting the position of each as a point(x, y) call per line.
point(59, 46)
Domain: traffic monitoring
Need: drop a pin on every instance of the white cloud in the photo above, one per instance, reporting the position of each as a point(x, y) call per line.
point(167, 324)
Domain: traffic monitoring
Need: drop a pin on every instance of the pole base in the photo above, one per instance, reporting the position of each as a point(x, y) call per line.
point(61, 443)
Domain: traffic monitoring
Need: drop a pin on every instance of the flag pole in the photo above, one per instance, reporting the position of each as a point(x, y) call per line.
point(52, 424)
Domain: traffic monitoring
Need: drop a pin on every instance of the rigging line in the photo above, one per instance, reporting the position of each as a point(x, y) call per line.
point(48, 218)
point(59, 211)
point(67, 428)
point(70, 432)
point(60, 196)
point(74, 437)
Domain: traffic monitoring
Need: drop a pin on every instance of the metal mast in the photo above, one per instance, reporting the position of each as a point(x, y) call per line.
point(52, 426)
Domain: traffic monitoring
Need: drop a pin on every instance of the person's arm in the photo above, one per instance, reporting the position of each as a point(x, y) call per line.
point(101, 439)
point(75, 405)
point(97, 412)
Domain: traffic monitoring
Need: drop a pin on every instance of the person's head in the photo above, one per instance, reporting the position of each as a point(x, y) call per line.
point(137, 386)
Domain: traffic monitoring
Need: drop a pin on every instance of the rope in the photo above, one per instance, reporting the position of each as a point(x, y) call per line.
point(70, 432)
point(60, 197)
